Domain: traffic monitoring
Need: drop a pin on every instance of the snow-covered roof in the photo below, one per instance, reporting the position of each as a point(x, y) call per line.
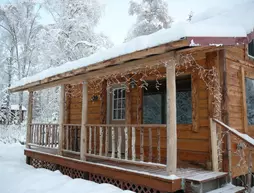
point(215, 27)
point(16, 107)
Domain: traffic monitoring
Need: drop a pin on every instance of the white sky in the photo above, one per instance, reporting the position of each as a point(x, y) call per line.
point(116, 22)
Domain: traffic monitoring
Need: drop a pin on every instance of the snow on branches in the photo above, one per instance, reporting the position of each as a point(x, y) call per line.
point(152, 15)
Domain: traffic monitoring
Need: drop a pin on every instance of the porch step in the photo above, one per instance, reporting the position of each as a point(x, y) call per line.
point(206, 177)
point(229, 188)
point(205, 182)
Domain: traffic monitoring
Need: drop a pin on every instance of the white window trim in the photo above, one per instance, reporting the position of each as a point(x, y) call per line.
point(112, 106)
point(250, 56)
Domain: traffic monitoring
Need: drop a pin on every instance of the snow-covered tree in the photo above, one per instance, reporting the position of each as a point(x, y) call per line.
point(73, 35)
point(152, 15)
point(190, 15)
point(20, 21)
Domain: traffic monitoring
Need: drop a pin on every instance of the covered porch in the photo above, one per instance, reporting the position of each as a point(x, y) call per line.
point(94, 130)
point(117, 138)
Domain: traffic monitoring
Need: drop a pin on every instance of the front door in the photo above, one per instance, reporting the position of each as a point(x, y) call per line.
point(116, 114)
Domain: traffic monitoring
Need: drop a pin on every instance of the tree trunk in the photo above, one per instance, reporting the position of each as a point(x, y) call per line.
point(8, 96)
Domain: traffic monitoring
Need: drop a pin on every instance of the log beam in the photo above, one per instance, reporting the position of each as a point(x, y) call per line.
point(61, 119)
point(29, 118)
point(83, 137)
point(171, 120)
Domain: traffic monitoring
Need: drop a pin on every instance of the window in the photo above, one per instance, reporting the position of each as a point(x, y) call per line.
point(155, 102)
point(183, 100)
point(250, 100)
point(251, 49)
point(154, 105)
point(118, 104)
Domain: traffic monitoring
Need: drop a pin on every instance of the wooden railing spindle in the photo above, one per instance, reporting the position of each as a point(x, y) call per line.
point(31, 131)
point(43, 134)
point(67, 137)
point(126, 134)
point(141, 143)
point(37, 134)
point(101, 141)
point(90, 140)
point(75, 138)
point(150, 145)
point(119, 142)
point(106, 141)
point(133, 144)
point(113, 142)
point(158, 145)
point(95, 136)
point(47, 136)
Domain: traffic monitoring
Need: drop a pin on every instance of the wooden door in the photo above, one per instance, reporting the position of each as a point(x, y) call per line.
point(117, 114)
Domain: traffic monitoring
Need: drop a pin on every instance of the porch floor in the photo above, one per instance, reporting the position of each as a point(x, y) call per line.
point(184, 171)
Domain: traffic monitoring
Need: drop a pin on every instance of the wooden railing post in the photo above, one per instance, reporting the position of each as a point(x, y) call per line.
point(249, 170)
point(83, 137)
point(171, 120)
point(29, 118)
point(229, 156)
point(61, 120)
point(213, 131)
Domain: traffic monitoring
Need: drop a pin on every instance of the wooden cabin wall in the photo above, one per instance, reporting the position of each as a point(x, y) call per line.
point(193, 140)
point(74, 107)
point(234, 86)
point(236, 59)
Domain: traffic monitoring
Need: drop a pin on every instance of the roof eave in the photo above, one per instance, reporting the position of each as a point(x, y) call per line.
point(104, 64)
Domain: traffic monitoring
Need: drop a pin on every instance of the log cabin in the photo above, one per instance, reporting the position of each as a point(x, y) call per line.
point(168, 112)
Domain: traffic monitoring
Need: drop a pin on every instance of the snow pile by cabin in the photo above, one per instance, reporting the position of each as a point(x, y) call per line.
point(15, 171)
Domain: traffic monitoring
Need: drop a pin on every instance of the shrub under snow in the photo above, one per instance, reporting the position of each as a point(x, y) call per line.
point(13, 133)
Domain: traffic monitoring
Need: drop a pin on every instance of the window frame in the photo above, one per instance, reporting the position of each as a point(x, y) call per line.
point(185, 76)
point(249, 55)
point(112, 104)
point(246, 74)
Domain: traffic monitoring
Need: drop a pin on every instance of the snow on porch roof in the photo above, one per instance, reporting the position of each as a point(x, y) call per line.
point(212, 28)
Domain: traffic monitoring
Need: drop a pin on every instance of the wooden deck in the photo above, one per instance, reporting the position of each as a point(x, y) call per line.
point(155, 177)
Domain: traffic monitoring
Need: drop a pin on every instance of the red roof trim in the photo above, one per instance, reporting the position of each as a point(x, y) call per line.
point(206, 41)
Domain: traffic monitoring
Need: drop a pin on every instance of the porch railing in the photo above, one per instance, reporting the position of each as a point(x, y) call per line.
point(44, 135)
point(239, 150)
point(143, 143)
point(139, 143)
point(71, 133)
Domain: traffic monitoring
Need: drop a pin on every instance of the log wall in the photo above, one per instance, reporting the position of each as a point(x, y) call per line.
point(193, 140)
point(237, 65)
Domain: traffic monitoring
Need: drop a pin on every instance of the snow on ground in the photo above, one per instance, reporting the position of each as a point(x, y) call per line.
point(17, 177)
point(13, 133)
point(231, 22)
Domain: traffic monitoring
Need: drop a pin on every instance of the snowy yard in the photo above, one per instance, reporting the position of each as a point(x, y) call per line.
point(17, 177)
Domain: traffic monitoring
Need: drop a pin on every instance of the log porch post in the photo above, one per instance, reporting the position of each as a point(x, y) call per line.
point(171, 120)
point(83, 137)
point(61, 119)
point(29, 118)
